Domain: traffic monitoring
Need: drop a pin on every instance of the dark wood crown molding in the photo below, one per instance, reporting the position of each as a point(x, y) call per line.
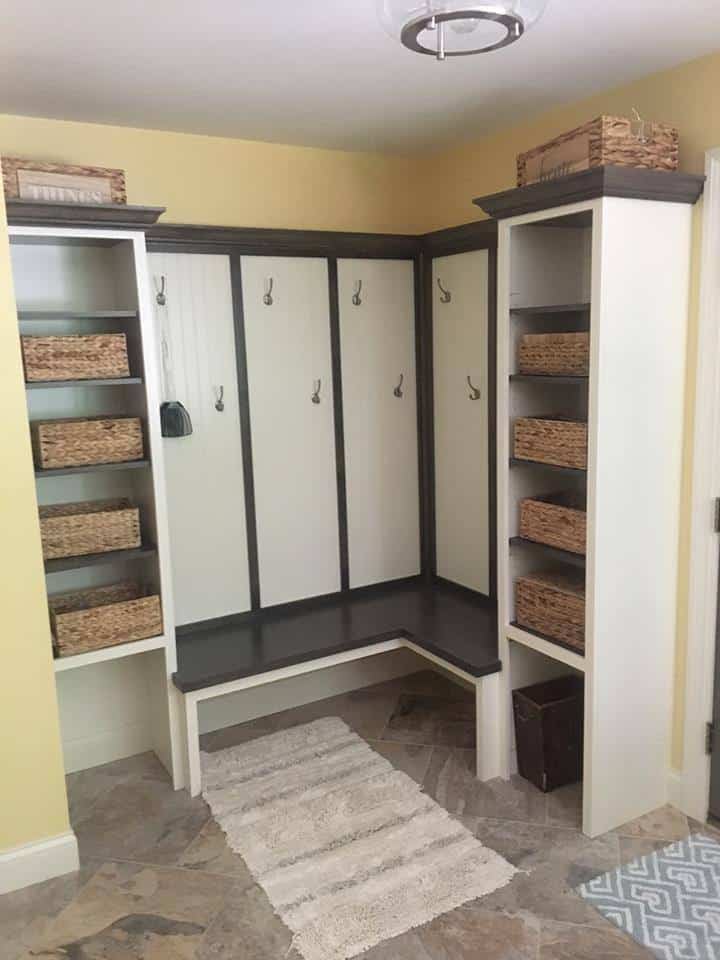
point(477, 235)
point(276, 242)
point(42, 213)
point(608, 181)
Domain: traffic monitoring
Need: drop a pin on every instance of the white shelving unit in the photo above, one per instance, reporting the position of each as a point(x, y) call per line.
point(619, 267)
point(117, 701)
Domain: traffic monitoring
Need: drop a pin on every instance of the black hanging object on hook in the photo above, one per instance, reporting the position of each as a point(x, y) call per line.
point(174, 420)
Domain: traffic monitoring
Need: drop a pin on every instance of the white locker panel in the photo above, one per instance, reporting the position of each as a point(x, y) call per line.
point(377, 345)
point(293, 437)
point(206, 500)
point(460, 351)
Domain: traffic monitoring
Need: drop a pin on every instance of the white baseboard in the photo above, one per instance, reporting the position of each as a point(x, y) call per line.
point(35, 862)
point(126, 740)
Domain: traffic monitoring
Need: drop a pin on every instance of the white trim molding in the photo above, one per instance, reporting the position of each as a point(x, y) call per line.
point(35, 862)
point(694, 789)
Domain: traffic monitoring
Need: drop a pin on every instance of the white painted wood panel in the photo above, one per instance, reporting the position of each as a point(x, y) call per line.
point(460, 350)
point(377, 343)
point(641, 264)
point(293, 439)
point(205, 490)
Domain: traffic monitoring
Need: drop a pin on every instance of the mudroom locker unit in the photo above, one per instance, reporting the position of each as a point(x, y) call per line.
point(342, 413)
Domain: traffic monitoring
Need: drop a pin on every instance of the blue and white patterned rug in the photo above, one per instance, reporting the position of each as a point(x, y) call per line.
point(668, 901)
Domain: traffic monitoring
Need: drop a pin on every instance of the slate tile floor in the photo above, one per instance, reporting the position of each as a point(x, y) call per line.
point(158, 881)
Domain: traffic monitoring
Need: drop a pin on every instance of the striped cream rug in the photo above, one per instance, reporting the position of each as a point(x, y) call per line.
point(349, 850)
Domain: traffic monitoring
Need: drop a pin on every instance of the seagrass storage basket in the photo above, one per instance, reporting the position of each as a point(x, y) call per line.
point(603, 141)
point(86, 441)
point(103, 617)
point(98, 356)
point(554, 440)
point(554, 354)
point(553, 604)
point(558, 520)
point(95, 526)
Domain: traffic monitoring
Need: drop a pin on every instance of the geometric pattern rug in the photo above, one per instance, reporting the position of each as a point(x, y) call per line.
point(668, 901)
point(349, 850)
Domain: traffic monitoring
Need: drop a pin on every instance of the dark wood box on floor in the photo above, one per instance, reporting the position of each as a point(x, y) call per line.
point(549, 732)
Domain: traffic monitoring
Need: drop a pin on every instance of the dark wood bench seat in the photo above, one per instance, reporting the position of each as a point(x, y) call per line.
point(451, 623)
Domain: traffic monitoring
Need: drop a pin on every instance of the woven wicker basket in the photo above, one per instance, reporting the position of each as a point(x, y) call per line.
point(553, 604)
point(96, 526)
point(101, 356)
point(605, 140)
point(555, 354)
point(558, 521)
point(82, 442)
point(562, 443)
point(103, 617)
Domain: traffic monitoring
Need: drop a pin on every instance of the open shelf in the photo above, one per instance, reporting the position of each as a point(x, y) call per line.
point(116, 382)
point(574, 471)
point(97, 559)
point(92, 468)
point(566, 556)
point(542, 379)
point(117, 652)
point(546, 646)
point(556, 308)
point(25, 316)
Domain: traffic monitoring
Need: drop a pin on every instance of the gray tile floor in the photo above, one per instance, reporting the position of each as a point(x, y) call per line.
point(158, 881)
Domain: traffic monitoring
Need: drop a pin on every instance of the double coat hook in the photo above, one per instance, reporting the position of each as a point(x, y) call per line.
point(316, 391)
point(474, 391)
point(445, 295)
point(356, 296)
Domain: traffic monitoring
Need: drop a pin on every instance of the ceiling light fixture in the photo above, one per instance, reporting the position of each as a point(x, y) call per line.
point(421, 25)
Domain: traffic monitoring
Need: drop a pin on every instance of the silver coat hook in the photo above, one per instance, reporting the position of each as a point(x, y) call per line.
point(445, 295)
point(397, 392)
point(267, 297)
point(356, 296)
point(160, 297)
point(219, 402)
point(316, 391)
point(474, 392)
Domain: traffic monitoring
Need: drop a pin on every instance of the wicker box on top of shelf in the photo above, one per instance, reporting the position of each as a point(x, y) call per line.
point(553, 604)
point(558, 520)
point(96, 356)
point(86, 441)
point(604, 141)
point(554, 354)
point(103, 617)
point(553, 440)
point(95, 526)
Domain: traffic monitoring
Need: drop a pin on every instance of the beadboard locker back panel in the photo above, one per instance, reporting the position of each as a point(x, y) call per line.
point(460, 360)
point(377, 343)
point(287, 332)
point(204, 470)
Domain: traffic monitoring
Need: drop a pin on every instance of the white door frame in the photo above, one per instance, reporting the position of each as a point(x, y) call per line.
point(704, 541)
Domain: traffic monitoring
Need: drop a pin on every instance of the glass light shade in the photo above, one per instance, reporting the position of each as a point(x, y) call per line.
point(456, 28)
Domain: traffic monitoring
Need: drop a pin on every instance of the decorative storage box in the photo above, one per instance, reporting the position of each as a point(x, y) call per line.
point(549, 732)
point(604, 141)
point(553, 440)
point(553, 604)
point(101, 356)
point(559, 521)
point(96, 526)
point(103, 617)
point(555, 354)
point(83, 441)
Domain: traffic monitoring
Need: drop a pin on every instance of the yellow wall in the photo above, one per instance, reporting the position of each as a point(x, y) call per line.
point(682, 96)
point(33, 787)
point(214, 180)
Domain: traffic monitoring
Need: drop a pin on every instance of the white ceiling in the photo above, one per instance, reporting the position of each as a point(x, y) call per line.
point(321, 72)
